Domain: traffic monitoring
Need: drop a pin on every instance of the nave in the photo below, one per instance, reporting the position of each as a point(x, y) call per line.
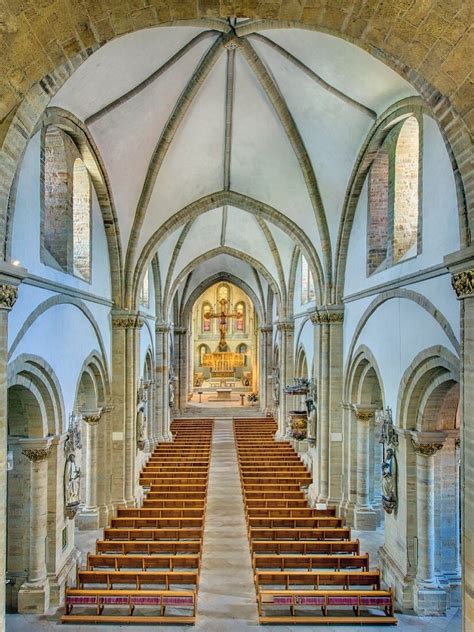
point(251, 494)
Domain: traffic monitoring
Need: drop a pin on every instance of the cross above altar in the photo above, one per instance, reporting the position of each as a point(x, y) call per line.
point(222, 315)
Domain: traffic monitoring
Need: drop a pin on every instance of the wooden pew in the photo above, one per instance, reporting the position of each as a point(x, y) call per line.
point(154, 534)
point(343, 533)
point(294, 523)
point(137, 580)
point(157, 523)
point(143, 562)
point(140, 547)
point(316, 579)
point(132, 601)
point(306, 547)
point(310, 562)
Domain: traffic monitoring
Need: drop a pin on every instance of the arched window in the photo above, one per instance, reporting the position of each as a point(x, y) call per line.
point(240, 320)
point(393, 198)
point(145, 292)
point(203, 349)
point(81, 213)
point(307, 283)
point(205, 320)
point(242, 348)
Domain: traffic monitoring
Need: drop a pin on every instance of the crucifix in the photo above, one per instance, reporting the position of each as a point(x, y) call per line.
point(222, 316)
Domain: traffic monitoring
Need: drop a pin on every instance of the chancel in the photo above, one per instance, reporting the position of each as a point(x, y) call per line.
point(236, 315)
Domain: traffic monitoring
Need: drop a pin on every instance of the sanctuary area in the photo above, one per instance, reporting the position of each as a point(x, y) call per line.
point(236, 315)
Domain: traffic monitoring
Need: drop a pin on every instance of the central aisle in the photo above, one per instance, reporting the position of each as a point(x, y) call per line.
point(226, 592)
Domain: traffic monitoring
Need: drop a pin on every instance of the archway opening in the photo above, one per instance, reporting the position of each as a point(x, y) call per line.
point(224, 347)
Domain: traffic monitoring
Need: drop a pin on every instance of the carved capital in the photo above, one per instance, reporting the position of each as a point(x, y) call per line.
point(35, 455)
point(162, 328)
point(427, 443)
point(286, 325)
point(180, 331)
point(463, 283)
point(364, 412)
point(266, 329)
point(327, 315)
point(126, 320)
point(8, 295)
point(92, 417)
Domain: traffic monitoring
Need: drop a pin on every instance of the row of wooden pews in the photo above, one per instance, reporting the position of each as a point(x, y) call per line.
point(307, 568)
point(146, 568)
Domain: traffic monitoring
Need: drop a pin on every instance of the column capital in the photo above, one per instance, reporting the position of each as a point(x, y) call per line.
point(36, 450)
point(123, 319)
point(327, 315)
point(266, 329)
point(461, 266)
point(285, 325)
point(427, 443)
point(10, 278)
point(162, 327)
point(364, 412)
point(180, 331)
point(92, 417)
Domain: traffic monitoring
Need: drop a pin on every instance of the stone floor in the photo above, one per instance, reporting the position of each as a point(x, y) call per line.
point(227, 594)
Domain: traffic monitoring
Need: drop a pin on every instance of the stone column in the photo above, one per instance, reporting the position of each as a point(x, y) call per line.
point(125, 371)
point(329, 347)
point(162, 367)
point(365, 517)
point(88, 519)
point(461, 265)
point(10, 278)
point(349, 477)
point(104, 458)
point(33, 596)
point(428, 598)
point(181, 346)
point(265, 344)
point(286, 330)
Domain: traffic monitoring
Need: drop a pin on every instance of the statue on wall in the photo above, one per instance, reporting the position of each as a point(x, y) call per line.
point(72, 473)
point(312, 419)
point(389, 469)
point(141, 414)
point(171, 387)
point(72, 485)
point(276, 386)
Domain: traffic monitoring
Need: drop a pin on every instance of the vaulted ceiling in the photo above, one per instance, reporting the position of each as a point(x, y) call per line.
point(229, 145)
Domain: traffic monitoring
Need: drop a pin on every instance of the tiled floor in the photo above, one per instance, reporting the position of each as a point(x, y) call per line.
point(227, 594)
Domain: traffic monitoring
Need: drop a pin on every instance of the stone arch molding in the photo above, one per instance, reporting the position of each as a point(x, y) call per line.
point(360, 362)
point(432, 366)
point(210, 255)
point(36, 375)
point(444, 91)
point(244, 203)
point(409, 295)
point(95, 368)
point(221, 276)
point(51, 302)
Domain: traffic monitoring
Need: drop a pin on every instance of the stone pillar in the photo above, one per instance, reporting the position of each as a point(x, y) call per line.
point(104, 459)
point(33, 596)
point(125, 371)
point(461, 265)
point(365, 517)
point(162, 367)
point(286, 330)
point(329, 349)
point(349, 476)
point(266, 351)
point(88, 519)
point(181, 350)
point(428, 598)
point(10, 278)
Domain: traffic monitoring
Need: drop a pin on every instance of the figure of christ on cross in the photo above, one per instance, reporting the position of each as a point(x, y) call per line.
point(222, 316)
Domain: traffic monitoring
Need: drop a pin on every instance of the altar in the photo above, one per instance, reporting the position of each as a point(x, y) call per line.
point(223, 394)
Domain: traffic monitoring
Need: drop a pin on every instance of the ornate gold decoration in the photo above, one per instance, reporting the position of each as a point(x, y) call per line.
point(35, 455)
point(463, 283)
point(364, 414)
point(8, 295)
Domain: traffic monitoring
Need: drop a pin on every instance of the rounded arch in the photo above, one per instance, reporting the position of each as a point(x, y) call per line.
point(244, 203)
point(211, 254)
point(301, 364)
point(32, 373)
point(202, 287)
point(429, 381)
point(93, 387)
point(374, 141)
point(59, 299)
point(363, 382)
point(409, 295)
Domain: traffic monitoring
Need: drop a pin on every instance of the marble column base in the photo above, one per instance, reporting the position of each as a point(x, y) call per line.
point(401, 583)
point(104, 517)
point(347, 511)
point(33, 598)
point(429, 602)
point(452, 585)
point(88, 520)
point(366, 519)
